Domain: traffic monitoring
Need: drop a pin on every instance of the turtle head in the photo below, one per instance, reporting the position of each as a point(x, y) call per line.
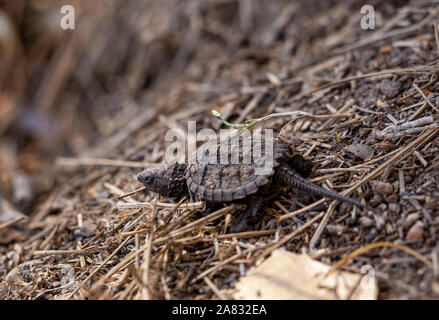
point(166, 179)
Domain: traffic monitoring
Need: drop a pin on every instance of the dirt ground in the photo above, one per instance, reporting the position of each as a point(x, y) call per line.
point(82, 111)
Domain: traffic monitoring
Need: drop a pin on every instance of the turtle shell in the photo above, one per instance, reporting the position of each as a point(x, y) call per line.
point(232, 169)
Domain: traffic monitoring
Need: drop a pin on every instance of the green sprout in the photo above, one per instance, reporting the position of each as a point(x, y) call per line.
point(251, 123)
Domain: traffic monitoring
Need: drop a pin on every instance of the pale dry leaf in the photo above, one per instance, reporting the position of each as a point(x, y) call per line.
point(285, 275)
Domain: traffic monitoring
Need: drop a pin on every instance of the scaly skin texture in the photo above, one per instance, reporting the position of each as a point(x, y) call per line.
point(288, 177)
point(216, 183)
point(167, 180)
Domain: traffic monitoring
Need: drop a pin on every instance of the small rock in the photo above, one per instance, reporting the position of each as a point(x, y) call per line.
point(390, 88)
point(369, 237)
point(381, 104)
point(393, 198)
point(412, 217)
point(416, 232)
point(335, 229)
point(394, 208)
point(359, 150)
point(382, 187)
point(376, 199)
point(429, 203)
point(365, 221)
point(389, 228)
point(379, 221)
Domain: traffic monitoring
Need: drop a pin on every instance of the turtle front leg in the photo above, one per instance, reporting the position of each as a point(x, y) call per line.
point(193, 197)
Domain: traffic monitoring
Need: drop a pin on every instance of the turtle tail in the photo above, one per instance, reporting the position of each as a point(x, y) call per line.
point(288, 177)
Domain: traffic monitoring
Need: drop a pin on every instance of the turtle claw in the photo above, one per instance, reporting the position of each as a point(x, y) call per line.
point(253, 206)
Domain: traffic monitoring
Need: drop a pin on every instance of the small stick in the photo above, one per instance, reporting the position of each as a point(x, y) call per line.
point(131, 193)
point(314, 117)
point(165, 287)
point(344, 108)
point(322, 225)
point(218, 266)
point(145, 266)
point(291, 235)
point(84, 252)
point(368, 111)
point(436, 37)
point(46, 243)
point(246, 234)
point(342, 170)
point(116, 191)
point(401, 181)
point(414, 105)
point(163, 205)
point(349, 123)
point(361, 250)
point(421, 158)
point(423, 107)
point(301, 210)
point(425, 97)
point(410, 127)
point(250, 106)
point(392, 118)
point(133, 233)
point(137, 245)
point(313, 146)
point(397, 135)
point(214, 288)
point(63, 161)
point(44, 209)
point(238, 235)
point(8, 223)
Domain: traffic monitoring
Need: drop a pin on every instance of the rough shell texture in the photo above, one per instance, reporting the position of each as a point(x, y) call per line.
point(216, 174)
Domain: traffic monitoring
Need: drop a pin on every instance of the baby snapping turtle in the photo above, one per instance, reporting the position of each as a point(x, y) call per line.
point(224, 172)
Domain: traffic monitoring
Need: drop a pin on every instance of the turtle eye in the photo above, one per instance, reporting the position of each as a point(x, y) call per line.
point(145, 177)
point(149, 177)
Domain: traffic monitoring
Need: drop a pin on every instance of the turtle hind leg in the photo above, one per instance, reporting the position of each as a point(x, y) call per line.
point(299, 164)
point(244, 218)
point(209, 208)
